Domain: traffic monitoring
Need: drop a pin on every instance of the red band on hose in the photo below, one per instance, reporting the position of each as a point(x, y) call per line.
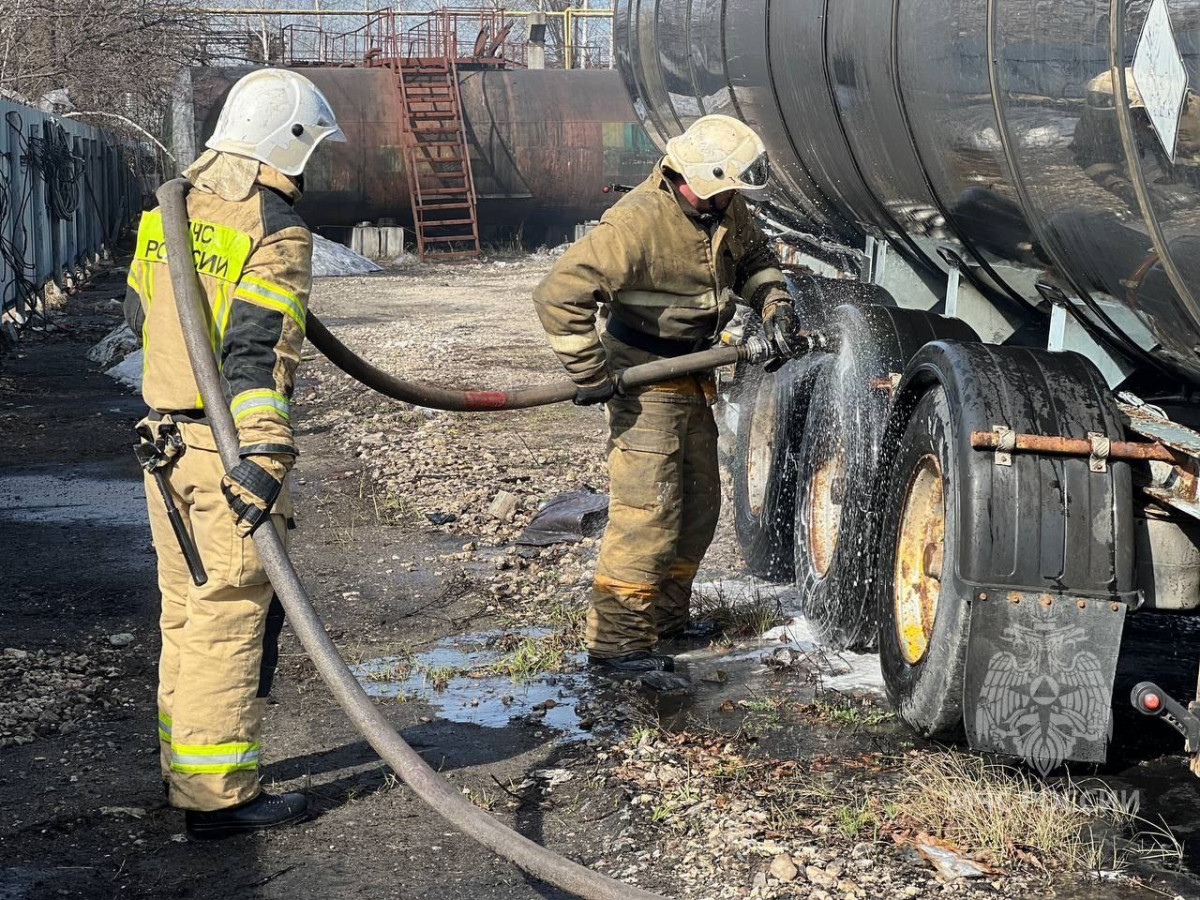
point(486, 400)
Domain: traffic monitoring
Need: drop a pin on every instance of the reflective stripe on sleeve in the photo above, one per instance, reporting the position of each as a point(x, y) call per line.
point(214, 759)
point(264, 293)
point(261, 398)
point(164, 727)
point(134, 279)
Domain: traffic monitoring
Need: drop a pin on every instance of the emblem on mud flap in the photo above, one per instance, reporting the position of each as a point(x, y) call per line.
point(1043, 692)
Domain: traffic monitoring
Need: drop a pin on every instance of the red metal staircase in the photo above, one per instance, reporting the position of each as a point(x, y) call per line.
point(437, 159)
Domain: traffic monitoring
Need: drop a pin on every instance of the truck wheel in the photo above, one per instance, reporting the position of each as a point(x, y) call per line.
point(923, 627)
point(831, 452)
point(773, 407)
point(836, 502)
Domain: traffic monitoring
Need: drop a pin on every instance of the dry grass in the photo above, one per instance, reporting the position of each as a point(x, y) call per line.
point(1014, 816)
point(745, 612)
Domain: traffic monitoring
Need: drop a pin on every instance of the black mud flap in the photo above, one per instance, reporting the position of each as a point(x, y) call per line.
point(1039, 676)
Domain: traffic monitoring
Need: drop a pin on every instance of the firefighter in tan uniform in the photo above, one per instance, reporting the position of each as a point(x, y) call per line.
point(669, 259)
point(254, 256)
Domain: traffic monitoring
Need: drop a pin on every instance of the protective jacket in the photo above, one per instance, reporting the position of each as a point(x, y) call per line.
point(665, 270)
point(254, 256)
point(669, 276)
point(220, 639)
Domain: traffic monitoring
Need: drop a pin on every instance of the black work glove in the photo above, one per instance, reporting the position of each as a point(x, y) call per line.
point(781, 329)
point(595, 393)
point(251, 488)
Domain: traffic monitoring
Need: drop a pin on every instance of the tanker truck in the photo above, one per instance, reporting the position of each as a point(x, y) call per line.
point(994, 206)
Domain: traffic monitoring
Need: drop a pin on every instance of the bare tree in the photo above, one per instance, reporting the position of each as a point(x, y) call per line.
point(115, 57)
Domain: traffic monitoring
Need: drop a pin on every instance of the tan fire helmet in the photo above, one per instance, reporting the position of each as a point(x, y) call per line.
point(719, 153)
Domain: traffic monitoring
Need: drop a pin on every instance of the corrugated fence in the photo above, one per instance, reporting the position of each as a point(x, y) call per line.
point(66, 190)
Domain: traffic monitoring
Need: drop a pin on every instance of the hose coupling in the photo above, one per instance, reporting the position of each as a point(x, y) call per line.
point(756, 349)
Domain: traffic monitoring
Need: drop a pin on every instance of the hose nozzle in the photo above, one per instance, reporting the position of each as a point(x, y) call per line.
point(816, 342)
point(757, 350)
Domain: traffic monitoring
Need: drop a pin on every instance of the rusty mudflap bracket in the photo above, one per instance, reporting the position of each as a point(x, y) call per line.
point(1039, 675)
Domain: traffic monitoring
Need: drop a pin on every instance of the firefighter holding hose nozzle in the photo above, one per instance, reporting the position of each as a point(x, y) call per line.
point(669, 259)
point(220, 619)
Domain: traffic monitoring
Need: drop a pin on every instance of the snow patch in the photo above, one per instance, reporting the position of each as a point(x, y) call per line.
point(117, 344)
point(331, 259)
point(128, 371)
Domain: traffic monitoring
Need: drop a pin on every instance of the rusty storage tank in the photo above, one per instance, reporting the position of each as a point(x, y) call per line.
point(1011, 132)
point(543, 144)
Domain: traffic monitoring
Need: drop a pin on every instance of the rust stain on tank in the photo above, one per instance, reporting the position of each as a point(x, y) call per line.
point(543, 144)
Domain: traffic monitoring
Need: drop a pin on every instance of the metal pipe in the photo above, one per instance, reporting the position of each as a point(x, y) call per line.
point(1053, 445)
point(362, 711)
point(571, 12)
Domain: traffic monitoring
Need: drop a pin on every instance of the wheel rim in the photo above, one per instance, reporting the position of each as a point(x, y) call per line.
point(760, 445)
point(823, 512)
point(916, 582)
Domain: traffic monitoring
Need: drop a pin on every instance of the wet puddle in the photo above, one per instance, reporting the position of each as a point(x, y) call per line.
point(78, 495)
point(458, 679)
point(473, 694)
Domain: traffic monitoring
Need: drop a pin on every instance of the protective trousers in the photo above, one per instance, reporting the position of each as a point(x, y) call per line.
point(219, 641)
point(664, 501)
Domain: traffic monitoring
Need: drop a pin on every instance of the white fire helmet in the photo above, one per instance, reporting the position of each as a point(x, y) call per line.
point(276, 116)
point(719, 153)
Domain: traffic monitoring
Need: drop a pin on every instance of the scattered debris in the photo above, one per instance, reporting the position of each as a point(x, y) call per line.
point(553, 777)
point(504, 506)
point(567, 518)
point(45, 693)
point(123, 639)
point(133, 812)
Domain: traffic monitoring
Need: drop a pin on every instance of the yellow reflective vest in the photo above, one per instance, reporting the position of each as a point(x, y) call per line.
point(254, 257)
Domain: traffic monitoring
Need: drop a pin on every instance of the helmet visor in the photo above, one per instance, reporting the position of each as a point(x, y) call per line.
point(757, 173)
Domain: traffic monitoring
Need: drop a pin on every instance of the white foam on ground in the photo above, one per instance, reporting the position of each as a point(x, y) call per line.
point(331, 259)
point(840, 670)
point(128, 371)
point(849, 671)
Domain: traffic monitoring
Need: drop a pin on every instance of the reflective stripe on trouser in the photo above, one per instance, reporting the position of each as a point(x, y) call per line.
point(218, 652)
point(664, 501)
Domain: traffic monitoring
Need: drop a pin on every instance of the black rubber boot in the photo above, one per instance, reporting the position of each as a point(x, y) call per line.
point(264, 811)
point(637, 663)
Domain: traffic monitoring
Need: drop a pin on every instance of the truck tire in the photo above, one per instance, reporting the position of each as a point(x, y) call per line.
point(955, 522)
point(923, 628)
point(773, 406)
point(831, 450)
point(835, 484)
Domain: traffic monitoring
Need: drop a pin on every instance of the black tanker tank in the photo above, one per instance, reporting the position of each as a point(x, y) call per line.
point(543, 143)
point(1053, 141)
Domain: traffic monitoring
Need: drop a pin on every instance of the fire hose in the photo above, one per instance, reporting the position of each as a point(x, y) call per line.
point(362, 711)
point(754, 350)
